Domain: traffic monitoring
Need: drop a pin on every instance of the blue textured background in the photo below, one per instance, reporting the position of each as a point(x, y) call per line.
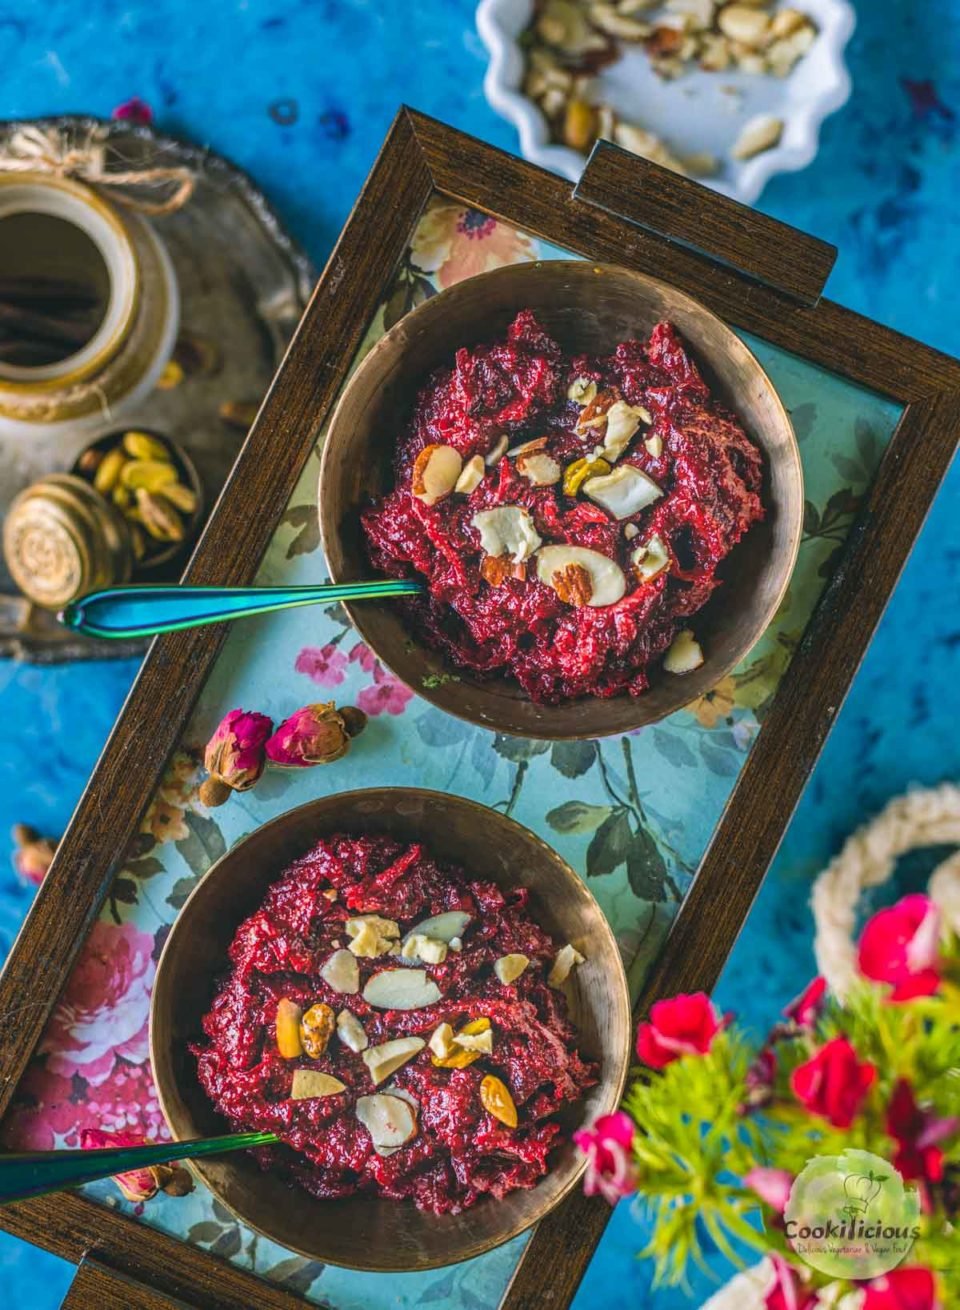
point(884, 188)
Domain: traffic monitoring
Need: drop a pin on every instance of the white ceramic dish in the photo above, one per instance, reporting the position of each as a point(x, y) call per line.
point(694, 112)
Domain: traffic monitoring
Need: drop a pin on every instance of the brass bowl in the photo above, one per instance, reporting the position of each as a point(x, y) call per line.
point(366, 1232)
point(587, 308)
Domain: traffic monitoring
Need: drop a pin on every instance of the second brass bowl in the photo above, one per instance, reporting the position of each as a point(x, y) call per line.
point(586, 308)
point(368, 1232)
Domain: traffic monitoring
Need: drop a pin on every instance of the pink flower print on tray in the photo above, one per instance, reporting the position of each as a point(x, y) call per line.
point(325, 665)
point(388, 695)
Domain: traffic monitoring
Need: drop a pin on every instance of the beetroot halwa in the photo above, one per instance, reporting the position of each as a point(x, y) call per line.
point(467, 1111)
point(622, 485)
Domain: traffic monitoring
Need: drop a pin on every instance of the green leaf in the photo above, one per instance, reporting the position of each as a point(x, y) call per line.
point(296, 1273)
point(435, 728)
point(646, 867)
point(124, 890)
point(143, 868)
point(305, 521)
point(518, 749)
point(205, 1231)
point(848, 468)
point(180, 891)
point(577, 816)
point(842, 502)
point(438, 1291)
point(673, 749)
point(720, 762)
point(811, 518)
point(828, 565)
point(803, 418)
point(205, 843)
point(228, 1243)
point(610, 844)
point(573, 758)
point(866, 442)
point(483, 759)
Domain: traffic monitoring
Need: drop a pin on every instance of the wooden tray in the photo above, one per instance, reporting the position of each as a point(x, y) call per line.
point(752, 743)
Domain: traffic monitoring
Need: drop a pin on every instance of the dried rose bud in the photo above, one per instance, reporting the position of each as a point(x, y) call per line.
point(33, 854)
point(234, 757)
point(139, 1185)
point(315, 734)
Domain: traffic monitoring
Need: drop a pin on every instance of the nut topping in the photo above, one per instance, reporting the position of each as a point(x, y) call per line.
point(759, 134)
point(385, 1059)
point(401, 989)
point(495, 569)
point(572, 584)
point(435, 473)
point(441, 1041)
point(309, 1084)
point(351, 1031)
point(650, 559)
point(495, 455)
point(473, 1040)
point(507, 530)
point(470, 476)
point(427, 949)
point(444, 927)
point(342, 973)
point(582, 391)
point(372, 935)
point(566, 958)
point(577, 473)
point(316, 1029)
point(496, 1100)
point(509, 967)
point(607, 583)
point(684, 654)
point(288, 1029)
point(390, 1120)
point(624, 492)
point(540, 469)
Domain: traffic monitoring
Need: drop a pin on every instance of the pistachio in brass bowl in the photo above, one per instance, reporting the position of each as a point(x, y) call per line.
point(367, 1231)
point(586, 309)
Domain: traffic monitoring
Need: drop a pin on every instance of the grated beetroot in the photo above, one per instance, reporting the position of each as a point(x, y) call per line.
point(460, 1153)
point(709, 470)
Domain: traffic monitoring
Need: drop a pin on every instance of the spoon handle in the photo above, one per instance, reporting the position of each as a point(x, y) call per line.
point(38, 1172)
point(144, 611)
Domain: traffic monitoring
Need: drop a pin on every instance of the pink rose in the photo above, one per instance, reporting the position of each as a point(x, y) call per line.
point(315, 734)
point(103, 1012)
point(138, 1185)
point(834, 1083)
point(607, 1144)
point(805, 1010)
point(771, 1185)
point(917, 1133)
point(235, 755)
point(910, 1288)
point(388, 695)
point(901, 946)
point(326, 665)
point(683, 1025)
point(785, 1291)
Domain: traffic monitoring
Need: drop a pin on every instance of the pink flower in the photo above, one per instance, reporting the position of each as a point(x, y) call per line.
point(138, 1185)
point(326, 665)
point(362, 654)
point(103, 1012)
point(834, 1083)
point(909, 1288)
point(901, 946)
point(135, 111)
point(917, 1132)
point(235, 755)
point(607, 1145)
point(388, 695)
point(315, 734)
point(684, 1025)
point(806, 1008)
point(771, 1185)
point(32, 855)
point(785, 1291)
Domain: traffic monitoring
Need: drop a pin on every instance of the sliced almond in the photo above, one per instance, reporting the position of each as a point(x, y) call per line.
point(566, 958)
point(684, 654)
point(309, 1084)
point(289, 1014)
point(482, 1042)
point(582, 391)
point(654, 445)
point(509, 967)
point(622, 423)
point(444, 927)
point(471, 475)
point(351, 1031)
point(385, 1059)
point(650, 559)
point(428, 949)
point(401, 989)
point(606, 576)
point(390, 1120)
point(594, 414)
point(624, 492)
point(758, 134)
point(435, 473)
point(507, 530)
point(495, 455)
point(540, 469)
point(342, 973)
point(528, 447)
point(441, 1041)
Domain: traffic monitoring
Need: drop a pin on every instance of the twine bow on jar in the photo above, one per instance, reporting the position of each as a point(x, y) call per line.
point(51, 150)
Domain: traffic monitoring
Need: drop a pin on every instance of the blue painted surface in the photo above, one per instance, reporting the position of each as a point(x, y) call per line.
point(883, 188)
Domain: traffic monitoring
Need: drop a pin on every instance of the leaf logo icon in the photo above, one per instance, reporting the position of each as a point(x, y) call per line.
point(861, 1190)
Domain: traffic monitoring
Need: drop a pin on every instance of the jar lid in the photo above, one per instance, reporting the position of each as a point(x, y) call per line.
point(61, 539)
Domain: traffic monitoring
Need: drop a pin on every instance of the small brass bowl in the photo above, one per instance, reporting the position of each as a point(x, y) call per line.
point(367, 1232)
point(586, 308)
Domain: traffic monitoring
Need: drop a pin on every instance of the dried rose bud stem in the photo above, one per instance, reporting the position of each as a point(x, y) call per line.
point(213, 792)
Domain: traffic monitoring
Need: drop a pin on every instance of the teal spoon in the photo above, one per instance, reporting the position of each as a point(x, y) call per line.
point(144, 611)
point(36, 1173)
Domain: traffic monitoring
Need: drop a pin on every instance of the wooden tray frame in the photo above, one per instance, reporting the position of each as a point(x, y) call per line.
point(758, 275)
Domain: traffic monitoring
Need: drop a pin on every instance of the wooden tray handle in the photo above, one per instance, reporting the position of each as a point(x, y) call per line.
point(682, 210)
